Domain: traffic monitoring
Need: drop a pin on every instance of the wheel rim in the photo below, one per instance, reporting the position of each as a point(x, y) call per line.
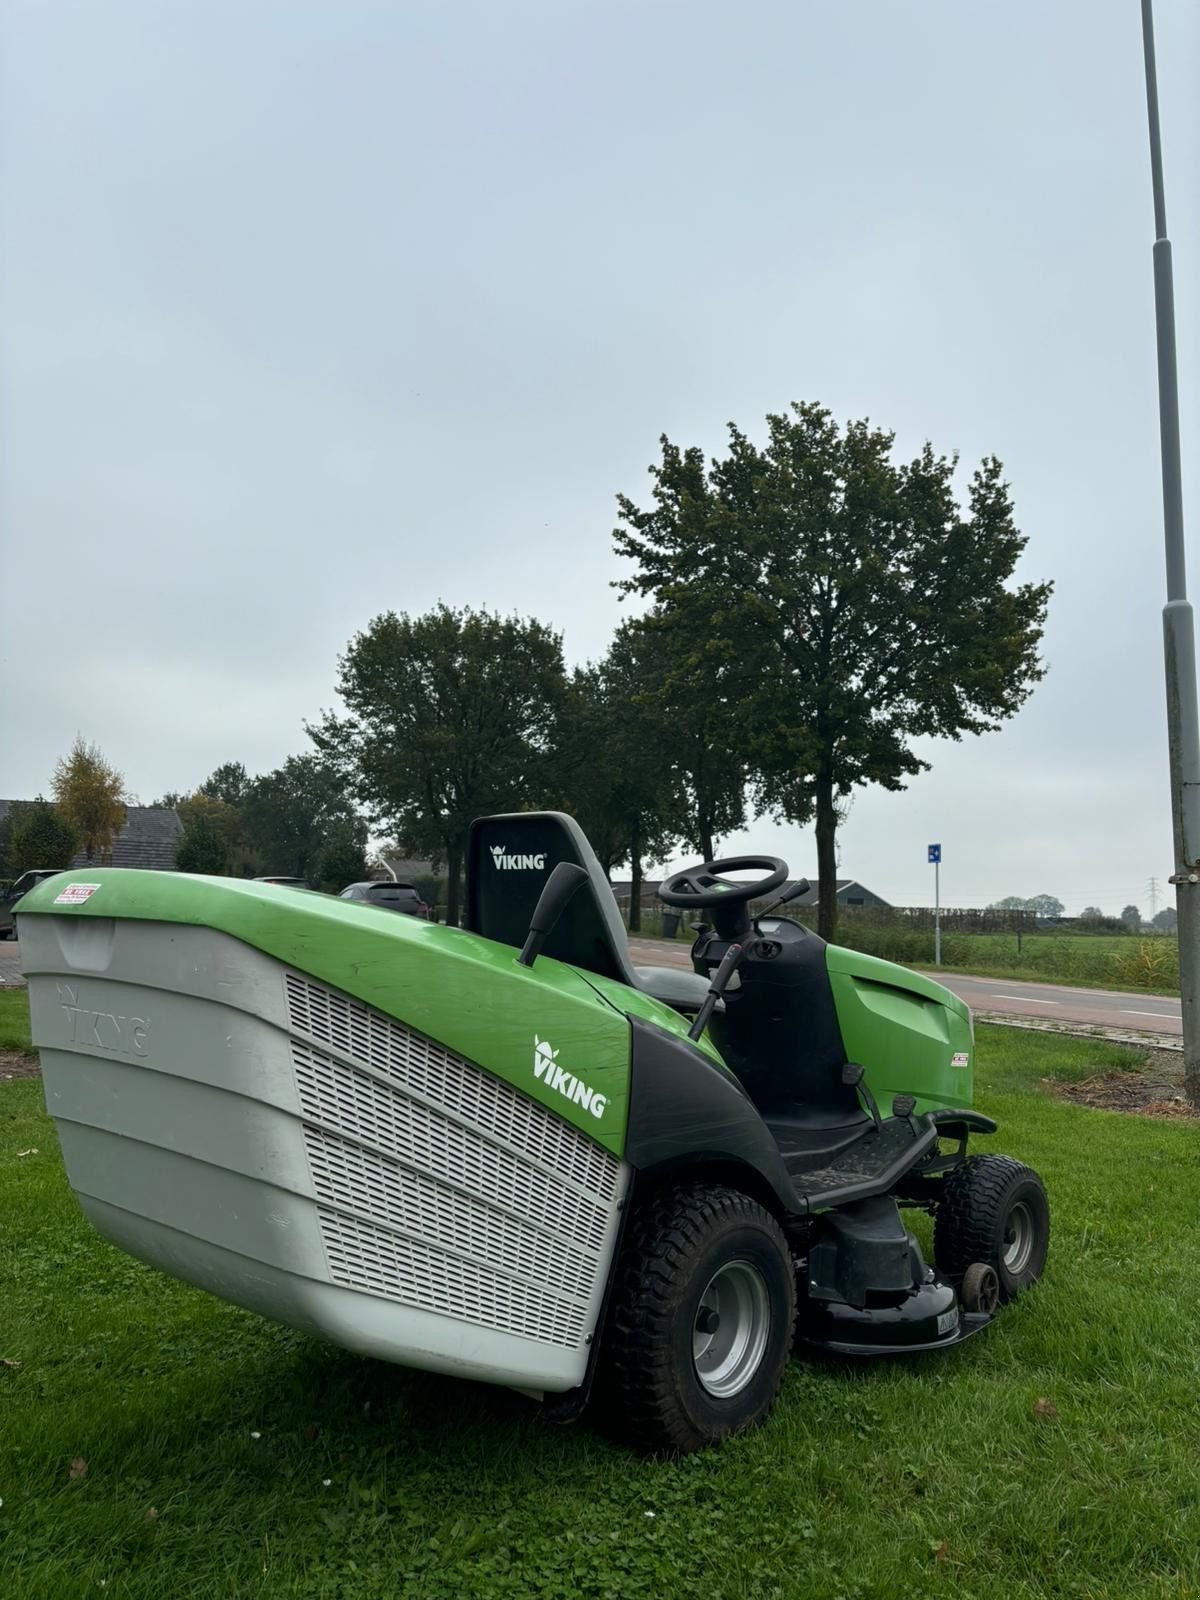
point(1019, 1235)
point(733, 1322)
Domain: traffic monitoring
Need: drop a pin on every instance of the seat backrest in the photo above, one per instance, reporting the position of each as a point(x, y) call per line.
point(510, 857)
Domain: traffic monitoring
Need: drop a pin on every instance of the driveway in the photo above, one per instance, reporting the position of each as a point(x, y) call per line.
point(10, 964)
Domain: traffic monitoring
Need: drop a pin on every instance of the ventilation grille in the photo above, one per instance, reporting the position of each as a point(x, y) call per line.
point(415, 1063)
point(431, 1181)
point(362, 1257)
point(361, 1181)
point(367, 1112)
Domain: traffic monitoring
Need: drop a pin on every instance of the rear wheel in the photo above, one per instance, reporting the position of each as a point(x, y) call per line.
point(993, 1210)
point(701, 1321)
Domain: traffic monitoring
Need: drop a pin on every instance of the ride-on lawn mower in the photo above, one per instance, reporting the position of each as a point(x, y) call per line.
point(506, 1153)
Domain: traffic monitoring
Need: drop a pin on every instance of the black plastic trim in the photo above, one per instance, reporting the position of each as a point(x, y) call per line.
point(969, 1322)
point(975, 1121)
point(686, 1111)
point(569, 1405)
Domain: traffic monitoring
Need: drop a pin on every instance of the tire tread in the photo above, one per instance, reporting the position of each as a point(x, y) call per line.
point(971, 1197)
point(652, 1280)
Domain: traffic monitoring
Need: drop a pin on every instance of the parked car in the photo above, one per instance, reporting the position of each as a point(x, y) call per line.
point(8, 900)
point(288, 883)
point(390, 897)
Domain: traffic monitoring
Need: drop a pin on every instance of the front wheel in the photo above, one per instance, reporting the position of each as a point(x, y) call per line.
point(701, 1321)
point(993, 1210)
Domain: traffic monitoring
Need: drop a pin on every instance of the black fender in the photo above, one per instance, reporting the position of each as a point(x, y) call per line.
point(686, 1112)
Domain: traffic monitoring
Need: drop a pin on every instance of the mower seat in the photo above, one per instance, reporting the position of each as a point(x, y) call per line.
point(509, 858)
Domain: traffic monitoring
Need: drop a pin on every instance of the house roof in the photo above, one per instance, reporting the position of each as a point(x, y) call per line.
point(148, 839)
point(810, 896)
point(407, 869)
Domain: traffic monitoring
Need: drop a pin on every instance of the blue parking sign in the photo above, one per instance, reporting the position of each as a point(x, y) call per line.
point(935, 854)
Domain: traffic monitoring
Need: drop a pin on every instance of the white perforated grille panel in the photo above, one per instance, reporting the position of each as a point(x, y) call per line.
point(363, 1257)
point(376, 1188)
point(413, 1062)
point(441, 1186)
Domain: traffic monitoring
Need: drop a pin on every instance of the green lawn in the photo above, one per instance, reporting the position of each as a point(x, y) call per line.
point(228, 1457)
point(14, 1019)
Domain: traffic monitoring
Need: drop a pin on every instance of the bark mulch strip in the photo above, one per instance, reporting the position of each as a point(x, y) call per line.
point(1155, 1091)
point(16, 1064)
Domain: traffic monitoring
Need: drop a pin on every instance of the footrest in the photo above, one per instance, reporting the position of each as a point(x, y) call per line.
point(870, 1166)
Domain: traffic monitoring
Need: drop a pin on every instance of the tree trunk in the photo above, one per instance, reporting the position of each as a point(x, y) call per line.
point(635, 881)
point(453, 873)
point(826, 860)
point(708, 845)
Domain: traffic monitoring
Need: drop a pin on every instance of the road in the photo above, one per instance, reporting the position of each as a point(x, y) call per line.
point(1049, 1002)
point(1103, 1008)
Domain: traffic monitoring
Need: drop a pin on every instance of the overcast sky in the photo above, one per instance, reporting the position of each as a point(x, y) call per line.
point(315, 310)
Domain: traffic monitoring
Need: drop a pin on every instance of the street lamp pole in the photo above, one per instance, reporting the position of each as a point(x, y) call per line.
point(1179, 635)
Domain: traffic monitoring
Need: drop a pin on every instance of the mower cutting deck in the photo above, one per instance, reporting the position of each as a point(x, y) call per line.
point(505, 1152)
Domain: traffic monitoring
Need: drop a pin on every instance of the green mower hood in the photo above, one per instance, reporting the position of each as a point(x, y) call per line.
point(551, 1031)
point(911, 1034)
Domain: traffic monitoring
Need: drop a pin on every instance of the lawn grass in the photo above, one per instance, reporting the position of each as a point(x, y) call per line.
point(14, 1020)
point(892, 1481)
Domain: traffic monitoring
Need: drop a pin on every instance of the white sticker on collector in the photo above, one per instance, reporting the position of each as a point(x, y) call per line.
point(75, 894)
point(960, 1058)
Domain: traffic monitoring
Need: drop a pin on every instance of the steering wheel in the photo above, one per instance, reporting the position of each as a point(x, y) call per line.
point(701, 887)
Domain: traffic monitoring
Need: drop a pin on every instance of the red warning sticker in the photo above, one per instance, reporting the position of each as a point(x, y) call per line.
point(75, 894)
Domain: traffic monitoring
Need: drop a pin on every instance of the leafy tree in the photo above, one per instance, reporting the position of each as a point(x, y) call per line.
point(225, 790)
point(1091, 914)
point(91, 796)
point(615, 758)
point(289, 814)
point(1167, 920)
point(678, 696)
point(431, 887)
point(1045, 905)
point(203, 845)
point(453, 714)
point(228, 783)
point(7, 822)
point(584, 778)
point(239, 858)
point(1132, 918)
point(40, 836)
point(646, 795)
point(843, 604)
point(340, 859)
point(1042, 905)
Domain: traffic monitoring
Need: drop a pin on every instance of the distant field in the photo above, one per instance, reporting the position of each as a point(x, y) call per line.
point(1107, 961)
